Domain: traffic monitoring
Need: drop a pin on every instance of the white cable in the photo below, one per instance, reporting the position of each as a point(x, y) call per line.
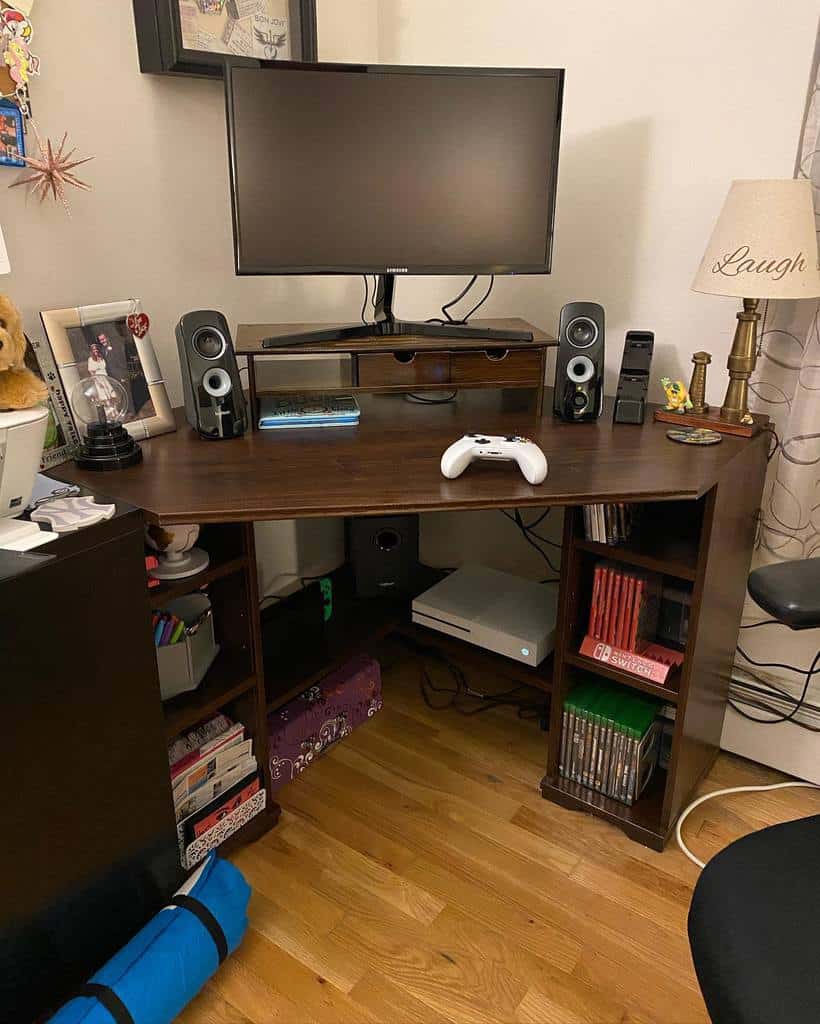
point(725, 792)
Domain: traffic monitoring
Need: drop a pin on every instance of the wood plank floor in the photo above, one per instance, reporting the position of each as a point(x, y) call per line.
point(417, 877)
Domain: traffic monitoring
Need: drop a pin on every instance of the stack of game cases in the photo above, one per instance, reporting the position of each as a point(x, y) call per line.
point(610, 523)
point(609, 739)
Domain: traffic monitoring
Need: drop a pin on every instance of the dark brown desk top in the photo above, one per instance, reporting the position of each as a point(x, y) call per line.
point(249, 338)
point(391, 463)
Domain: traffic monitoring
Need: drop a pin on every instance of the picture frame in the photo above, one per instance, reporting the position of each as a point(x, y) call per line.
point(103, 341)
point(12, 135)
point(169, 31)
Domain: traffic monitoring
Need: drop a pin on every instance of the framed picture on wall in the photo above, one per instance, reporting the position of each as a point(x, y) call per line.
point(193, 37)
point(105, 342)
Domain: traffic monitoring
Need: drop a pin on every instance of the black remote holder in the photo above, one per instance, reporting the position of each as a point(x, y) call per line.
point(633, 382)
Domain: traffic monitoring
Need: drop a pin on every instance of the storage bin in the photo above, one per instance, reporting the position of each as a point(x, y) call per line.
point(182, 666)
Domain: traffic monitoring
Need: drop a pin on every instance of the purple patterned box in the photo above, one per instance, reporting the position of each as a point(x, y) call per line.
point(301, 730)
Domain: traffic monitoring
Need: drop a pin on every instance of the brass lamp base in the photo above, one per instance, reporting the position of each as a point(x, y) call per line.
point(741, 364)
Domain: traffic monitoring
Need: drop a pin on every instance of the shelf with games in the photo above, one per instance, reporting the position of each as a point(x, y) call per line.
point(698, 548)
point(665, 538)
point(667, 692)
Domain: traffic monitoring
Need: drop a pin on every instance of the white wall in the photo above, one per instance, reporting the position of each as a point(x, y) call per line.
point(158, 223)
point(665, 103)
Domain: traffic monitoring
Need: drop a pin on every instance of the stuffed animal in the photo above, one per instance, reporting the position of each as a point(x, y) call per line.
point(677, 397)
point(19, 387)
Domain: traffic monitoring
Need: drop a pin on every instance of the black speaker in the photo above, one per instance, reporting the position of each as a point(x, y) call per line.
point(214, 403)
point(579, 369)
point(633, 382)
point(384, 554)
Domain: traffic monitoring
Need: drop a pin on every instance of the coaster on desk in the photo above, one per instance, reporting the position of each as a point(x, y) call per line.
point(694, 435)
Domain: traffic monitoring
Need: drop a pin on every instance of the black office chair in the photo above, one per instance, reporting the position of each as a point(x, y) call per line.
point(754, 922)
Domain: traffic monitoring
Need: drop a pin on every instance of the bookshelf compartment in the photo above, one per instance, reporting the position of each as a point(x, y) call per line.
point(665, 539)
point(667, 692)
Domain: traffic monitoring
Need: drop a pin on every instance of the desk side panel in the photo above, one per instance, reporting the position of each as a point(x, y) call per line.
point(727, 543)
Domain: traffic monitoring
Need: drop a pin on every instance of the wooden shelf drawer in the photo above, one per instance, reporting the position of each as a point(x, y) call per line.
point(380, 369)
point(496, 366)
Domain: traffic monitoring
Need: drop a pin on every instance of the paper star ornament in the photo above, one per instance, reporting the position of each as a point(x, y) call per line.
point(52, 171)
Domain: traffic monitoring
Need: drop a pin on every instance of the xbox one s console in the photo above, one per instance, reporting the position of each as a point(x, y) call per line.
point(525, 453)
point(494, 610)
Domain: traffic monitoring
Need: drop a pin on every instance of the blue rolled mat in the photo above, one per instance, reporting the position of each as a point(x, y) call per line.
point(153, 977)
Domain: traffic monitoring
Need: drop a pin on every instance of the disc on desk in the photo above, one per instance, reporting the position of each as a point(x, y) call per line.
point(694, 435)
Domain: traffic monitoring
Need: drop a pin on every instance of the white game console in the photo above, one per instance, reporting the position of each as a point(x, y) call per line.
point(494, 610)
point(529, 457)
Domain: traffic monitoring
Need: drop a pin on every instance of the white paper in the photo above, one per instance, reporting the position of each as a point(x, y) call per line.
point(5, 264)
point(237, 37)
point(246, 7)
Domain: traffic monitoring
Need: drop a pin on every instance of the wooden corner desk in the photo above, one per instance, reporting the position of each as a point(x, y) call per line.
point(699, 527)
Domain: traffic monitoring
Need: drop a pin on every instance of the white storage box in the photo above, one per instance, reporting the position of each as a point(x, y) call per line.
point(182, 666)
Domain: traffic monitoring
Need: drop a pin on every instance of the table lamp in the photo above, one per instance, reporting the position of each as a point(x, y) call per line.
point(764, 246)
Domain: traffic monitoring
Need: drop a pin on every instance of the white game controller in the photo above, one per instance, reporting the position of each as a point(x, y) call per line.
point(526, 453)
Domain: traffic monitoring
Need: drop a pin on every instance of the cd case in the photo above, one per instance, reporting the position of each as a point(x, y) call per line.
point(296, 411)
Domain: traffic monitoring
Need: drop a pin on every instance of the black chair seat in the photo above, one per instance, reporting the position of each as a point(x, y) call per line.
point(789, 591)
point(754, 928)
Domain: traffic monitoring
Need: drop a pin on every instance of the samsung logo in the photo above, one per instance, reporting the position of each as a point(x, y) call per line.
point(396, 270)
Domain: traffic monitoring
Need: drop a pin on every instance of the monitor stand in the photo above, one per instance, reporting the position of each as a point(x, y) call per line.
point(387, 326)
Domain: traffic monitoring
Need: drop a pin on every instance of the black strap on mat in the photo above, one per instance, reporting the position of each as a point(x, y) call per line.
point(107, 998)
point(214, 928)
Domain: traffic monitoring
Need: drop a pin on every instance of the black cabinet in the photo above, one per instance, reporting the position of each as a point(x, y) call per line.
point(89, 850)
point(193, 37)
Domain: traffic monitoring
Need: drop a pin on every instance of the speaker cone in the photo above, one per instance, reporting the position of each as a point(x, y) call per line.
point(580, 369)
point(217, 383)
point(582, 332)
point(209, 343)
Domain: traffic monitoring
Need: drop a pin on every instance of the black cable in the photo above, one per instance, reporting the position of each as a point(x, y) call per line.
point(778, 664)
point(481, 302)
point(531, 531)
point(525, 534)
point(813, 670)
point(763, 622)
point(457, 299)
point(366, 297)
point(445, 318)
point(773, 451)
point(460, 690)
point(421, 400)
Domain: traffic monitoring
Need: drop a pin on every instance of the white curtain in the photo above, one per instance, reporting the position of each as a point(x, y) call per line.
point(786, 386)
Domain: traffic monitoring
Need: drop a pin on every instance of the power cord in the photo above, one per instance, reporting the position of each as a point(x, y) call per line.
point(445, 319)
point(533, 539)
point(455, 694)
point(726, 792)
point(423, 400)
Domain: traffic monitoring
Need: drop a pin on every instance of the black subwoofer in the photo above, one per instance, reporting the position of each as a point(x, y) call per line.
point(384, 554)
point(579, 368)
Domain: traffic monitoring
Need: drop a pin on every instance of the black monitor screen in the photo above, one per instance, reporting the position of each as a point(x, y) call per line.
point(371, 169)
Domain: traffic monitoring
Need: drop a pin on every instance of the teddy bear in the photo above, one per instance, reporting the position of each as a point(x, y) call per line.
point(19, 387)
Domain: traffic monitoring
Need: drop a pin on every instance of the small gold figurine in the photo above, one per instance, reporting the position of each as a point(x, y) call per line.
point(677, 397)
point(697, 386)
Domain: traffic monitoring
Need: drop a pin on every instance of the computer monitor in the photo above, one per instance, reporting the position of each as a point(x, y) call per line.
point(351, 169)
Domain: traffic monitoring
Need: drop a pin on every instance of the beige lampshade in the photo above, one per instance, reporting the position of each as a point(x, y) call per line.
point(764, 245)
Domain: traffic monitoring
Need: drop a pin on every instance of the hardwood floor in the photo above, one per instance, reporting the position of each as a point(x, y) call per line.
point(417, 877)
